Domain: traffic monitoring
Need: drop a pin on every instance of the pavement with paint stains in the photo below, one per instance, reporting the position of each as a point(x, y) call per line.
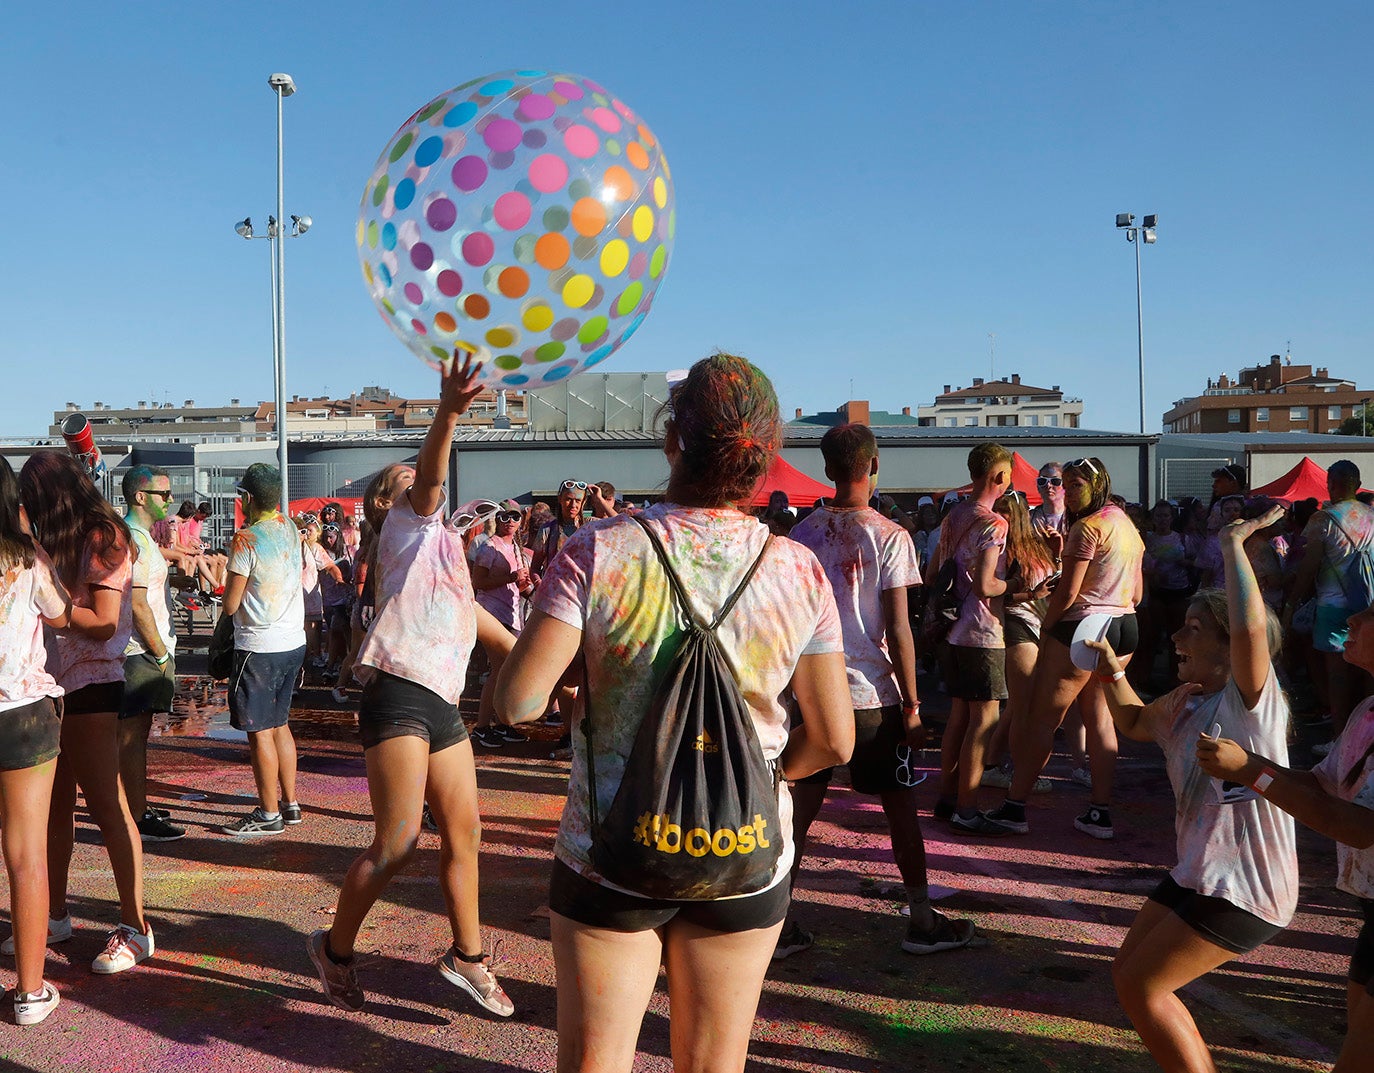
point(231, 988)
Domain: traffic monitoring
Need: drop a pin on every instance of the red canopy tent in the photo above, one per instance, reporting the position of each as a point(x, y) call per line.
point(1023, 476)
point(1306, 480)
point(350, 505)
point(801, 490)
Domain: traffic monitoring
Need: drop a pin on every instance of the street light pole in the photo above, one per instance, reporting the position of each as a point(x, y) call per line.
point(1145, 233)
point(283, 87)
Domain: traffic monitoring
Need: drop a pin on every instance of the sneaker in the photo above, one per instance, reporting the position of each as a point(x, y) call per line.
point(1003, 816)
point(510, 735)
point(254, 824)
point(980, 823)
point(793, 941)
point(1042, 786)
point(489, 738)
point(290, 813)
point(947, 934)
point(153, 828)
point(1096, 822)
point(160, 813)
point(31, 1008)
point(340, 982)
point(476, 978)
point(124, 949)
point(996, 776)
point(59, 931)
point(1082, 776)
point(340, 697)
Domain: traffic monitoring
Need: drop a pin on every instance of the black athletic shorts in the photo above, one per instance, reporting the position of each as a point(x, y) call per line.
point(1215, 919)
point(89, 700)
point(395, 707)
point(882, 761)
point(579, 899)
point(976, 674)
point(1123, 634)
point(1017, 631)
point(1362, 960)
point(30, 734)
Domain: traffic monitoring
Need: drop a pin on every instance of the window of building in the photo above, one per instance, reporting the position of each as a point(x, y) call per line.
point(1333, 413)
point(1233, 417)
point(1033, 419)
point(971, 421)
point(1297, 413)
point(1261, 413)
point(1052, 420)
point(951, 422)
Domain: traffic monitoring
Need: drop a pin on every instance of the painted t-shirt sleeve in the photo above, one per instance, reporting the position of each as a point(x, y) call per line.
point(900, 568)
point(1083, 541)
point(242, 554)
point(47, 597)
point(828, 635)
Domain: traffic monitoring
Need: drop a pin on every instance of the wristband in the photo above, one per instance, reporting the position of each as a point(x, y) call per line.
point(912, 708)
point(161, 661)
point(1263, 780)
point(1111, 677)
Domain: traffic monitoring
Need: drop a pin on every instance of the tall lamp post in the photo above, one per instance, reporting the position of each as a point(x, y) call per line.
point(1144, 233)
point(283, 86)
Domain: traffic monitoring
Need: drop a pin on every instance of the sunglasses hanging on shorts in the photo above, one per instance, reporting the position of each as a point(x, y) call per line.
point(1050, 482)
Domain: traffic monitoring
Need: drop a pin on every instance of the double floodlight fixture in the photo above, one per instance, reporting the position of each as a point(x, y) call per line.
point(299, 226)
point(1146, 228)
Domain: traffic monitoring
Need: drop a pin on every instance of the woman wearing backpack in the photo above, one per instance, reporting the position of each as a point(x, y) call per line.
point(608, 599)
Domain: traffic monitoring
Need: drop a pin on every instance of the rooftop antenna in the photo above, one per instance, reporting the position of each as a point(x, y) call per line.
point(1288, 352)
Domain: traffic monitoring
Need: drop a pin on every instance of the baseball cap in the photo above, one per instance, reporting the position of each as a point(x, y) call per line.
point(1233, 471)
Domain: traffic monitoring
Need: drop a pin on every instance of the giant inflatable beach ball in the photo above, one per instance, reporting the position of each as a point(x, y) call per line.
point(526, 217)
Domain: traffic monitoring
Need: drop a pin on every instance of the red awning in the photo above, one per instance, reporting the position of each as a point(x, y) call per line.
point(1023, 476)
point(1306, 480)
point(801, 490)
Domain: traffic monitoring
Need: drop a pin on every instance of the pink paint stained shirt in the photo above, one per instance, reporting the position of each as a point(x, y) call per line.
point(27, 594)
point(608, 583)
point(976, 529)
point(426, 621)
point(1232, 843)
point(78, 660)
point(1347, 772)
point(1110, 544)
point(863, 555)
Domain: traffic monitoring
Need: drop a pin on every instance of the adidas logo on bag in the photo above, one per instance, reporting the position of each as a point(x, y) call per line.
point(705, 743)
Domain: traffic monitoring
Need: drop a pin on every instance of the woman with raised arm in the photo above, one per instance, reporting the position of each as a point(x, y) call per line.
point(30, 728)
point(1236, 882)
point(608, 600)
point(413, 665)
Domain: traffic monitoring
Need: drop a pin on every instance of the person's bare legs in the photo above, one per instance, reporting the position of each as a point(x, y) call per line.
point(451, 791)
point(1101, 739)
point(1075, 737)
point(90, 759)
point(807, 799)
point(951, 747)
point(605, 979)
point(1020, 670)
point(1055, 685)
point(133, 761)
point(714, 981)
point(1160, 955)
point(262, 753)
point(982, 717)
point(396, 773)
point(1359, 1033)
point(285, 744)
point(24, 799)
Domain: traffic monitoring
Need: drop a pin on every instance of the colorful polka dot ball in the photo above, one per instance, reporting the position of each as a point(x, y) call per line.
point(525, 217)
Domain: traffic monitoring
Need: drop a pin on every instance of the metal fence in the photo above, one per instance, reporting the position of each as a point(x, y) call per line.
point(1181, 477)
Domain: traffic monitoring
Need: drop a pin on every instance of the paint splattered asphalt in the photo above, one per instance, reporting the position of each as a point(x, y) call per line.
point(231, 988)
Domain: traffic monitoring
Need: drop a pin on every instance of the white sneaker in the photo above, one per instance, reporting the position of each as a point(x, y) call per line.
point(997, 777)
point(477, 979)
point(32, 1008)
point(124, 949)
point(59, 931)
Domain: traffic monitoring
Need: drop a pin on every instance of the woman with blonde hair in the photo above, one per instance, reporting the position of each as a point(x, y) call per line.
point(606, 599)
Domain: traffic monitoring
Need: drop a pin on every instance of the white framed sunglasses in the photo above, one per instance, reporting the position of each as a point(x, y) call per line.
point(472, 514)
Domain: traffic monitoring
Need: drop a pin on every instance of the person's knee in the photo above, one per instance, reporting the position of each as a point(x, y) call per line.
point(390, 854)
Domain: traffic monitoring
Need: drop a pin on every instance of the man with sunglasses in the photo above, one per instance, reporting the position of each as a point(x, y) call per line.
point(149, 667)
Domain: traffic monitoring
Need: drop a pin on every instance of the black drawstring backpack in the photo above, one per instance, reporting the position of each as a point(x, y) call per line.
point(696, 815)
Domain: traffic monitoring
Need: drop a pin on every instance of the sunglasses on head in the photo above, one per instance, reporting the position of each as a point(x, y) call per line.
point(308, 519)
point(574, 486)
point(1050, 482)
point(1083, 463)
point(242, 491)
point(507, 515)
point(470, 514)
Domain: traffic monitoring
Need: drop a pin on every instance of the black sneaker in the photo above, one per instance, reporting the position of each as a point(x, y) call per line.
point(254, 824)
point(509, 734)
point(290, 813)
point(793, 941)
point(153, 828)
point(947, 934)
point(1096, 822)
point(161, 813)
point(489, 738)
point(1004, 815)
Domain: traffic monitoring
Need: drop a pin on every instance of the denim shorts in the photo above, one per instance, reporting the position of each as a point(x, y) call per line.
point(30, 735)
point(260, 688)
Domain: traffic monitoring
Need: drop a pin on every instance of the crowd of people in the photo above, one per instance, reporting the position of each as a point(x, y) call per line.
point(1190, 624)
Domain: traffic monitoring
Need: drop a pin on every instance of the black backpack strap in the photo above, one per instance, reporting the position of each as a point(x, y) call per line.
point(680, 593)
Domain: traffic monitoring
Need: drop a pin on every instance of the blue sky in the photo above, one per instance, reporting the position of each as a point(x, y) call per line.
point(864, 191)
